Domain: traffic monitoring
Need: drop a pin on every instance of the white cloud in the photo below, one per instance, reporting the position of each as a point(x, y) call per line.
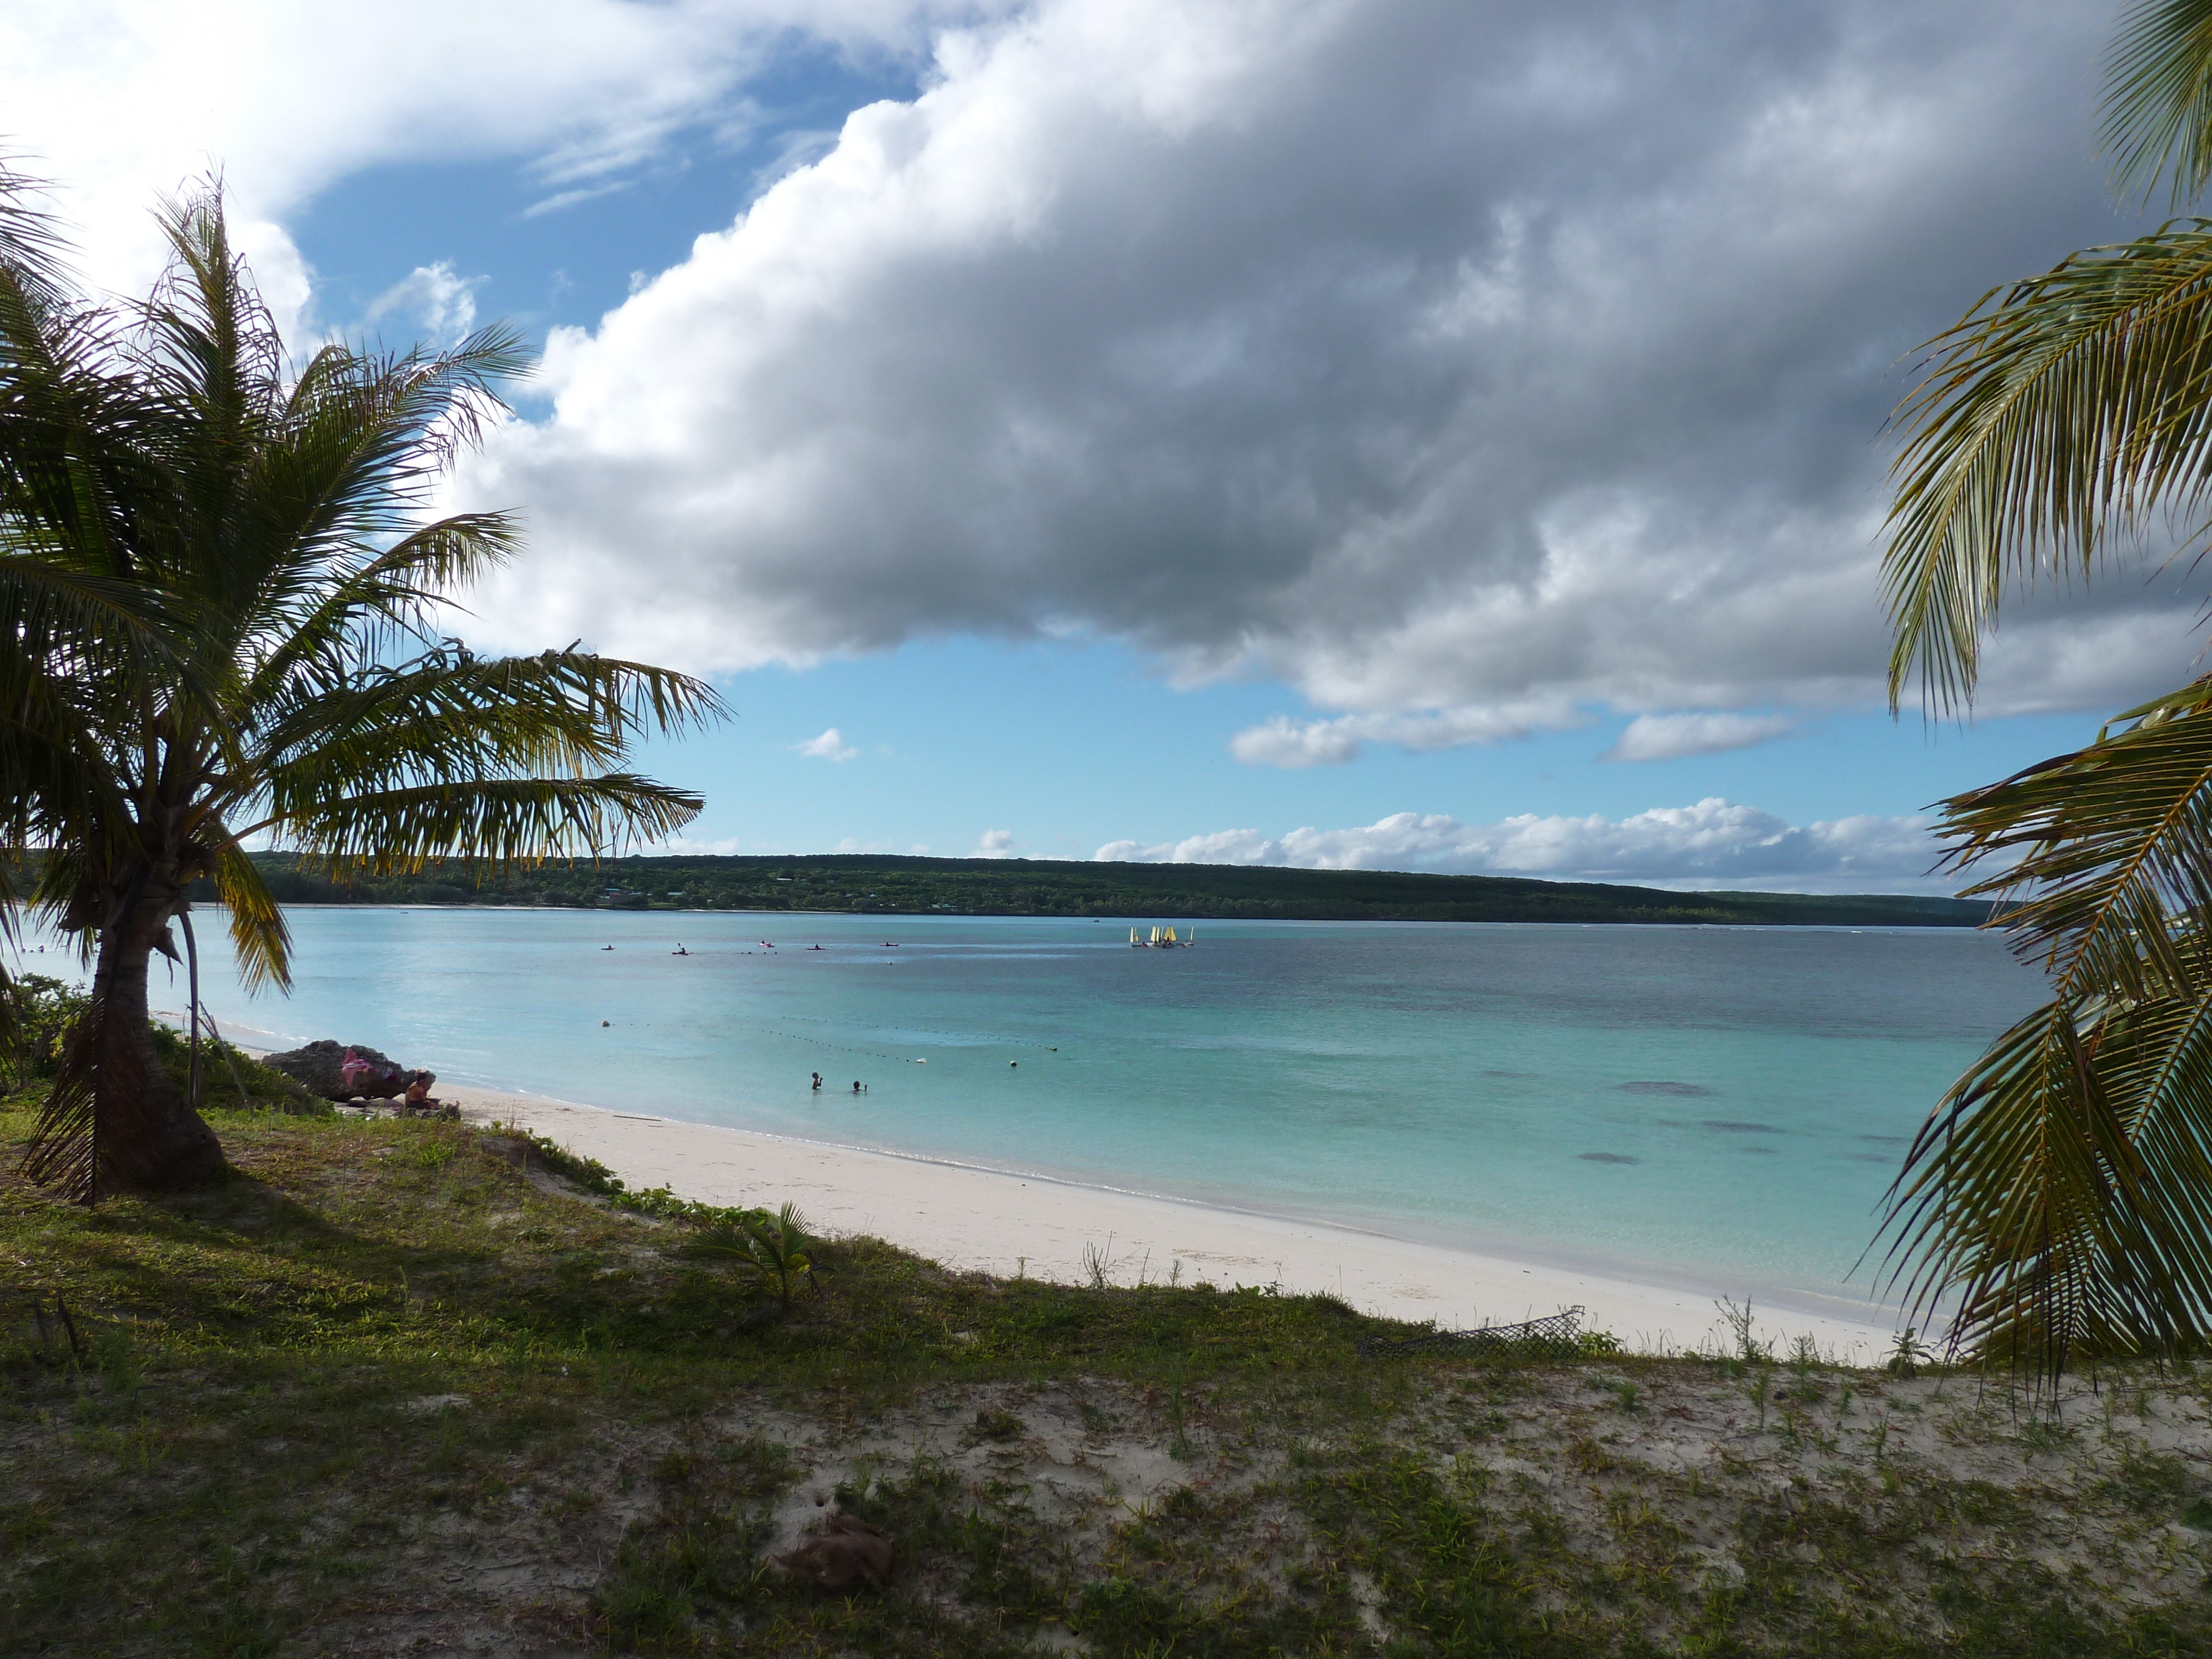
point(1282, 742)
point(280, 273)
point(994, 844)
point(438, 300)
point(685, 846)
point(1286, 743)
point(829, 746)
point(1446, 359)
point(1714, 844)
point(1676, 737)
point(117, 100)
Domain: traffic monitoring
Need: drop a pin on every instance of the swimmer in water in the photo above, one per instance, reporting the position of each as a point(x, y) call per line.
point(818, 1083)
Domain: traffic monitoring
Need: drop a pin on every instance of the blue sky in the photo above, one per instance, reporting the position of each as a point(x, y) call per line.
point(1450, 431)
point(1070, 747)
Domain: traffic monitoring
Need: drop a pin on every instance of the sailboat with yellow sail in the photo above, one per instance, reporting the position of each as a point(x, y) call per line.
point(1163, 939)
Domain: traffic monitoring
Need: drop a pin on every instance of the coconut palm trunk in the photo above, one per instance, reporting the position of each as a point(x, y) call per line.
point(146, 1136)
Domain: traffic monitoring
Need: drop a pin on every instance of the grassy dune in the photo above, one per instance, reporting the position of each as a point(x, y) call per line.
point(401, 1387)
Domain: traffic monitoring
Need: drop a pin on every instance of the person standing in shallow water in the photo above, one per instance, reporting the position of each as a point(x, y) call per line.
point(818, 1083)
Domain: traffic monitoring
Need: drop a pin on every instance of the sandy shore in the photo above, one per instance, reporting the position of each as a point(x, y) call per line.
point(1007, 1224)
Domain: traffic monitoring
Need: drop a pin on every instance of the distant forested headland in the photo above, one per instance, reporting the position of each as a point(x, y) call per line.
point(1041, 887)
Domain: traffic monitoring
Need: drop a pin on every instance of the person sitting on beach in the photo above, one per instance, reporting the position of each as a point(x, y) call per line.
point(418, 1092)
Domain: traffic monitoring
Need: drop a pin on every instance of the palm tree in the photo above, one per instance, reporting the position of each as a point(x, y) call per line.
point(775, 1244)
point(2059, 1198)
point(236, 604)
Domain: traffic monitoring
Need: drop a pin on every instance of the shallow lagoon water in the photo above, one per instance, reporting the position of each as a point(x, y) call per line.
point(1714, 1102)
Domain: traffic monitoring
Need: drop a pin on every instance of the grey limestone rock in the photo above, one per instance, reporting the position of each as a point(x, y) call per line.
point(320, 1065)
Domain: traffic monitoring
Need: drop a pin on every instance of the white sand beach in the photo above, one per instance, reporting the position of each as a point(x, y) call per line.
point(1006, 1223)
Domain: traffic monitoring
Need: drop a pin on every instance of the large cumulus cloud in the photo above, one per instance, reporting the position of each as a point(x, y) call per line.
point(1467, 365)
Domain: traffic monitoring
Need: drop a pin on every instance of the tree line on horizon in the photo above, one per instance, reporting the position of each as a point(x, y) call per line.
point(902, 884)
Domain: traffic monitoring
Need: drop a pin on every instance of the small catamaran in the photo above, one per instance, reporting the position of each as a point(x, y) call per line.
point(1163, 938)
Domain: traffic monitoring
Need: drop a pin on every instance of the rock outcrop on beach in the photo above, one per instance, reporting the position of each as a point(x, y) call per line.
point(320, 1066)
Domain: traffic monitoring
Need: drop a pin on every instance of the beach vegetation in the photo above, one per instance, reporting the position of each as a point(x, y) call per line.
point(389, 1376)
point(2058, 1203)
point(225, 600)
point(772, 1243)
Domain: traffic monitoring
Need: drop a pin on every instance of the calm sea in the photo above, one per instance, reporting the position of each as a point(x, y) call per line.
point(1716, 1102)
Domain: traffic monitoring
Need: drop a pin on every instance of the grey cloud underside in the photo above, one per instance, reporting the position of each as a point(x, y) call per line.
point(1433, 357)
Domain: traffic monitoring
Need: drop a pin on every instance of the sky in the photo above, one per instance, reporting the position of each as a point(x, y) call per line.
point(1398, 434)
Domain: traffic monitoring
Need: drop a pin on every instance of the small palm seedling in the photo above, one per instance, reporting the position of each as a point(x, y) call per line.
point(1910, 1354)
point(776, 1245)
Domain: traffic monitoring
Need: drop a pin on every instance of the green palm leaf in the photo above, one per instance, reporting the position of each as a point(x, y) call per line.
point(2062, 412)
point(502, 823)
point(2059, 1199)
point(2158, 113)
point(2061, 1194)
point(2097, 853)
point(774, 1245)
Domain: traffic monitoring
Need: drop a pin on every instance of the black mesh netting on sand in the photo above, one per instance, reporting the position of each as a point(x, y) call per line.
point(1558, 1337)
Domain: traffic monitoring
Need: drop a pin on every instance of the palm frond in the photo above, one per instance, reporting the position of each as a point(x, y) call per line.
point(257, 933)
point(32, 247)
point(2061, 411)
point(2158, 99)
point(360, 612)
point(2094, 853)
point(450, 716)
point(65, 1149)
point(775, 1244)
point(2059, 1192)
point(74, 638)
point(501, 823)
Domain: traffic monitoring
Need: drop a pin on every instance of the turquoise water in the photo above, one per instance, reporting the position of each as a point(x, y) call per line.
point(1711, 1101)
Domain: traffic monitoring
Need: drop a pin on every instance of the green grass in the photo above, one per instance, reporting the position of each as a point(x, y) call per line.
point(382, 1387)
